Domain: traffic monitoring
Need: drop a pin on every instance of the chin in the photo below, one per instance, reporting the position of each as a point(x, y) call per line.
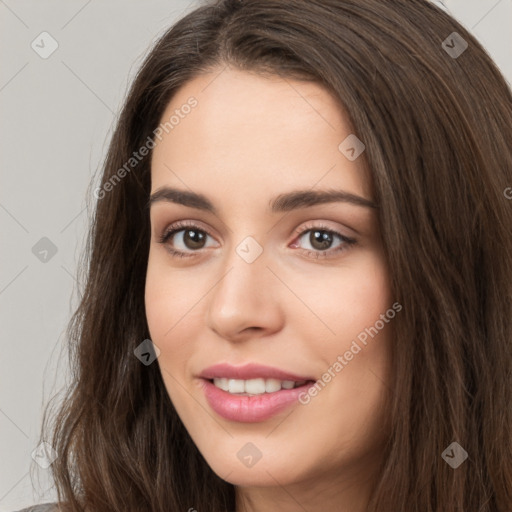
point(267, 471)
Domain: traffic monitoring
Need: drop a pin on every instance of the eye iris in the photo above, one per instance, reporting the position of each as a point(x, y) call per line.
point(194, 239)
point(323, 238)
point(320, 239)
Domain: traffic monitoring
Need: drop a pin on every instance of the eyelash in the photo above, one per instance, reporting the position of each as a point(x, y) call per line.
point(181, 226)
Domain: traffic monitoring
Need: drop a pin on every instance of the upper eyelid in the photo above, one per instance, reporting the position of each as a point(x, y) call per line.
point(178, 226)
point(181, 225)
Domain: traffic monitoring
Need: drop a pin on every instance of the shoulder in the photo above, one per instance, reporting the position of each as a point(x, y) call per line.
point(45, 507)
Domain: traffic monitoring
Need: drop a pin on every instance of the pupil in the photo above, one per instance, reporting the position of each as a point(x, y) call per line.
point(194, 239)
point(322, 238)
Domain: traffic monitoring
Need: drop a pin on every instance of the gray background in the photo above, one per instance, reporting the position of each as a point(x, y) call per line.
point(57, 116)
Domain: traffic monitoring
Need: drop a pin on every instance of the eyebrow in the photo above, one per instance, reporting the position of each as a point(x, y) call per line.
point(282, 203)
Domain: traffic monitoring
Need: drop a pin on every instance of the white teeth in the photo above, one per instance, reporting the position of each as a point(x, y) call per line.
point(222, 384)
point(236, 386)
point(272, 385)
point(255, 386)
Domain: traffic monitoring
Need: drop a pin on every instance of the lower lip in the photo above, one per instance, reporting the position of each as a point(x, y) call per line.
point(251, 409)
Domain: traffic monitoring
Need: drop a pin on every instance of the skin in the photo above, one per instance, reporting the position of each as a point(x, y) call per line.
point(250, 138)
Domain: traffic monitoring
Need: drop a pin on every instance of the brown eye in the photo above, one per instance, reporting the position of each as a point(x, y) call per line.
point(320, 239)
point(193, 239)
point(183, 239)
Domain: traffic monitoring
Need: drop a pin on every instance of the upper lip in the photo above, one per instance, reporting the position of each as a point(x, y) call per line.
point(249, 371)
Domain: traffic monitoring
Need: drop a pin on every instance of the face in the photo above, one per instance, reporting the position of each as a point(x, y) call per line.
point(260, 278)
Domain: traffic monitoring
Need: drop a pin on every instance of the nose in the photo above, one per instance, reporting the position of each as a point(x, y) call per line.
point(246, 300)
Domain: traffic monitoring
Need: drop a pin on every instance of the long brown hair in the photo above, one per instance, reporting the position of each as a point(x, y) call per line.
point(437, 127)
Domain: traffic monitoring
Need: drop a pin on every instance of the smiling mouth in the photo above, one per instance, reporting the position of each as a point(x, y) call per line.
point(255, 387)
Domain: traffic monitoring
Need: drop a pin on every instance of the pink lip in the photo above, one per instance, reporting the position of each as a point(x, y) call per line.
point(250, 409)
point(249, 371)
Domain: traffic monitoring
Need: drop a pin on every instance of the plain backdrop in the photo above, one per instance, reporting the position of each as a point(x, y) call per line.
point(56, 121)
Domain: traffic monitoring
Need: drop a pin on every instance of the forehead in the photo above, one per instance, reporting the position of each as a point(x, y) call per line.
point(256, 133)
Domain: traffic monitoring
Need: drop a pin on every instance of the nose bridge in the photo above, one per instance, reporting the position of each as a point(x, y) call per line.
point(243, 297)
point(244, 267)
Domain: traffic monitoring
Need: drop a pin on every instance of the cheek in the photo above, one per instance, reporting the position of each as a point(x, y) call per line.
point(356, 352)
point(168, 311)
point(348, 300)
point(157, 299)
point(168, 316)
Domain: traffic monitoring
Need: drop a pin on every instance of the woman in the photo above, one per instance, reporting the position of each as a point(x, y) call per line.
point(300, 271)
